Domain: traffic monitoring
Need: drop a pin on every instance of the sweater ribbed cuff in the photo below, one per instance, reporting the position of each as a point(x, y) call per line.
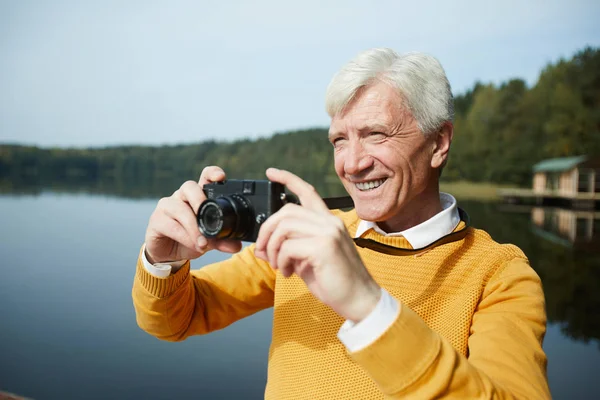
point(400, 356)
point(161, 287)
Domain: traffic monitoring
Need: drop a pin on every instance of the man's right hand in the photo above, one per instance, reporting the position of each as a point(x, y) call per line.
point(173, 233)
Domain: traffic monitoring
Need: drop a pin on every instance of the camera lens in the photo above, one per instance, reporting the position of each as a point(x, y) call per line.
point(212, 218)
point(226, 217)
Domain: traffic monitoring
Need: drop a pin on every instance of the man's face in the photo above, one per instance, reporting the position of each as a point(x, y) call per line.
point(381, 156)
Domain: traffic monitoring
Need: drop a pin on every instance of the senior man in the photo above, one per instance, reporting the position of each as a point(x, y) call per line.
point(398, 298)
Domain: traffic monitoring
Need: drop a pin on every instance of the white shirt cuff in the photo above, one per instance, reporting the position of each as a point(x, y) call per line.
point(161, 270)
point(360, 335)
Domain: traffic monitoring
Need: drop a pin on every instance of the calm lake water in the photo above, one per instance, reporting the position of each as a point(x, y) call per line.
point(68, 330)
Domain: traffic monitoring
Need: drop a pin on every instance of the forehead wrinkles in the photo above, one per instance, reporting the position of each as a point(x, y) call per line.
point(373, 105)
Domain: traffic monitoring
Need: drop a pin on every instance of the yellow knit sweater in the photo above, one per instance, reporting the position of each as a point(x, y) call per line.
point(471, 324)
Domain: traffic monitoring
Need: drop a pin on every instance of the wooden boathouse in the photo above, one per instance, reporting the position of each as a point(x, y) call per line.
point(565, 182)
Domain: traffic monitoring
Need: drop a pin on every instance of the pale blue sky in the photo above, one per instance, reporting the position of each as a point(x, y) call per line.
point(94, 73)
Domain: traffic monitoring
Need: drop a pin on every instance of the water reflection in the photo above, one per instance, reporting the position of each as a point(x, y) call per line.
point(569, 228)
point(575, 299)
point(563, 247)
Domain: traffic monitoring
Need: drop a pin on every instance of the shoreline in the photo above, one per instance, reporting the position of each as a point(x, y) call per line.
point(466, 190)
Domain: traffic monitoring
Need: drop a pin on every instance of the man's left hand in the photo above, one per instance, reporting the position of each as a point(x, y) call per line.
point(312, 243)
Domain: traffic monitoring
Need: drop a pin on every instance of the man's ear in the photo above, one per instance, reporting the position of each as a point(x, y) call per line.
point(441, 145)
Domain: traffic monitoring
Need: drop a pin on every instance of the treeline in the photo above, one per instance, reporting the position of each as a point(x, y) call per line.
point(500, 132)
point(148, 171)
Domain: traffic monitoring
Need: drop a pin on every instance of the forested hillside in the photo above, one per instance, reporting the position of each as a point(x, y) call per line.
point(500, 132)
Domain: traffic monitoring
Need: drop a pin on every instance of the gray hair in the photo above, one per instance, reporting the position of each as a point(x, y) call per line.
point(419, 78)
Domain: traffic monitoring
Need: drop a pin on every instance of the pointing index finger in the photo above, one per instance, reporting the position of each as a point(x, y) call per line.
point(306, 193)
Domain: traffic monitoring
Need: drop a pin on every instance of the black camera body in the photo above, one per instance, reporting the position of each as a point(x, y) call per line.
point(236, 209)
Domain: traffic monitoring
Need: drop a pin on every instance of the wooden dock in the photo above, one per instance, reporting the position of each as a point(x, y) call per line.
point(579, 201)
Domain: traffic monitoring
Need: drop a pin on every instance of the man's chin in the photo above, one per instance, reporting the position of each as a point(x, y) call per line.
point(368, 214)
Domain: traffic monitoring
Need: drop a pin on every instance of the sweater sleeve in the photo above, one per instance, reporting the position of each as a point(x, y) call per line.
point(204, 300)
point(505, 359)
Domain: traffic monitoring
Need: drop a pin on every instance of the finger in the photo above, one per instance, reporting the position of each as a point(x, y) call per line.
point(165, 226)
point(211, 174)
point(288, 228)
point(302, 268)
point(289, 211)
point(181, 211)
point(288, 269)
point(191, 192)
point(305, 271)
point(306, 193)
point(262, 254)
point(227, 246)
point(293, 256)
point(266, 229)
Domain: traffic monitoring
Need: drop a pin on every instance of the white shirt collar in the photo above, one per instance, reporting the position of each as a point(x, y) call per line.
point(426, 232)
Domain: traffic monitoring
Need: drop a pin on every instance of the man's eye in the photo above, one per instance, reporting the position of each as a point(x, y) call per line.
point(337, 140)
point(377, 134)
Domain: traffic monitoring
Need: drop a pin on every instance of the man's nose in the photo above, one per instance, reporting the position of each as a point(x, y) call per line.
point(357, 159)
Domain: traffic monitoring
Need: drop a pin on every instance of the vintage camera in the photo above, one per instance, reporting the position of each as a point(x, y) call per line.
point(236, 209)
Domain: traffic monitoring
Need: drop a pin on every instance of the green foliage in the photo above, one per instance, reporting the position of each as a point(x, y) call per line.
point(500, 132)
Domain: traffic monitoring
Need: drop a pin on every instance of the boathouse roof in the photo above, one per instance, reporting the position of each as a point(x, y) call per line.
point(558, 164)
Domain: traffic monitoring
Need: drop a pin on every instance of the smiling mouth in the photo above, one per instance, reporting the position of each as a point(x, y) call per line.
point(364, 186)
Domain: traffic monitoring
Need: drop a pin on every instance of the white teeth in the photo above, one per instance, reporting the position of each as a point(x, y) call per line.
point(369, 185)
